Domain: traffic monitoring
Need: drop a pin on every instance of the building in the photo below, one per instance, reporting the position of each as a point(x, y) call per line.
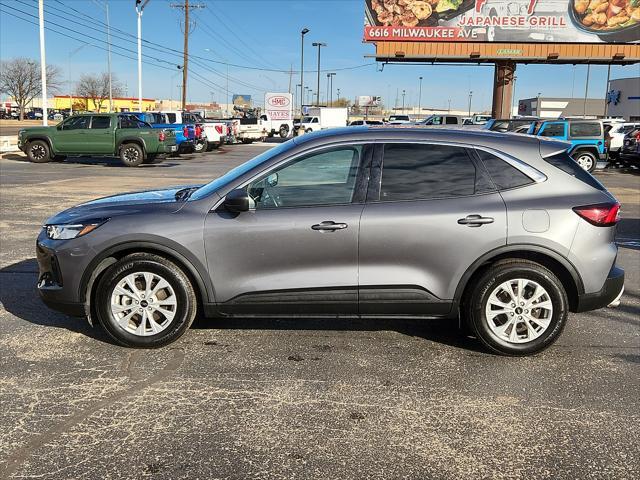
point(548, 107)
point(120, 104)
point(623, 98)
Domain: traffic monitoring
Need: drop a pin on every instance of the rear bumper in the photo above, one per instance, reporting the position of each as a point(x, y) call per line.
point(609, 292)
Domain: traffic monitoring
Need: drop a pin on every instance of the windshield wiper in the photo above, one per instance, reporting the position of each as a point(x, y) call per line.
point(185, 193)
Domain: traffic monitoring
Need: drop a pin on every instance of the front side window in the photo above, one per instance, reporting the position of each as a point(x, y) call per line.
point(421, 172)
point(553, 130)
point(326, 178)
point(585, 129)
point(100, 122)
point(76, 123)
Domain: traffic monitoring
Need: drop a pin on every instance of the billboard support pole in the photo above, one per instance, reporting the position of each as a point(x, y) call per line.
point(503, 88)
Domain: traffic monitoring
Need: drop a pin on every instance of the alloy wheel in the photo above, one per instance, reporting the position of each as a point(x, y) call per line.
point(143, 303)
point(519, 311)
point(38, 152)
point(585, 161)
point(131, 154)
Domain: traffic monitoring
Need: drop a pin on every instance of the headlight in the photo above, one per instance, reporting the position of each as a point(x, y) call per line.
point(67, 232)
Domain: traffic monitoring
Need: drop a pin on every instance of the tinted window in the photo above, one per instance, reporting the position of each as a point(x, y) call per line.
point(101, 122)
point(504, 175)
point(452, 121)
point(130, 121)
point(585, 129)
point(76, 123)
point(568, 165)
point(415, 172)
point(171, 117)
point(553, 130)
point(326, 178)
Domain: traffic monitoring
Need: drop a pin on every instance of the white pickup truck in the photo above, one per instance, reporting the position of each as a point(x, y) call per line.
point(209, 135)
point(247, 130)
point(276, 127)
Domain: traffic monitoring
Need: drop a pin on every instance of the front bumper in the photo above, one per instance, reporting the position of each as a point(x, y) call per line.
point(608, 294)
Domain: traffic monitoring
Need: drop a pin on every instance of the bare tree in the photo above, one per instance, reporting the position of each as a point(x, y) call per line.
point(20, 79)
point(96, 88)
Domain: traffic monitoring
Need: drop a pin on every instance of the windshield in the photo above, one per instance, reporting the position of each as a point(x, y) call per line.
point(398, 117)
point(240, 170)
point(307, 119)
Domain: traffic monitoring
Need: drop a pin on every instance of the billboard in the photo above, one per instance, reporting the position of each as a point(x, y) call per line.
point(279, 106)
point(514, 21)
point(241, 101)
point(368, 101)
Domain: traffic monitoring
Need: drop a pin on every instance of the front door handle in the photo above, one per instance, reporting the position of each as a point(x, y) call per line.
point(329, 226)
point(475, 220)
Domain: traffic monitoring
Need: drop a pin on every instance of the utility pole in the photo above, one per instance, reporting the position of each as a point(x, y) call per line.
point(420, 97)
point(319, 45)
point(331, 75)
point(187, 30)
point(43, 64)
point(586, 93)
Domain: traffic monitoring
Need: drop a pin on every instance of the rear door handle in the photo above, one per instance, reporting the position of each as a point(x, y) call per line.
point(475, 220)
point(329, 226)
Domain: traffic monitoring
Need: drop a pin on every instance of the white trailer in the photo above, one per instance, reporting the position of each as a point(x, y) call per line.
point(321, 118)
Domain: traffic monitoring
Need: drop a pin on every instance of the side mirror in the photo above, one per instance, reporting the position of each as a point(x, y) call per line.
point(239, 201)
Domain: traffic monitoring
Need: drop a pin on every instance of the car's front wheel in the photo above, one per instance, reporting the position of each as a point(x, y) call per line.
point(38, 151)
point(517, 307)
point(145, 301)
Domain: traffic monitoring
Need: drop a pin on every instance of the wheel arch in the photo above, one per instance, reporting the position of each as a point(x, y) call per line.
point(137, 140)
point(43, 138)
point(108, 257)
point(559, 265)
point(585, 148)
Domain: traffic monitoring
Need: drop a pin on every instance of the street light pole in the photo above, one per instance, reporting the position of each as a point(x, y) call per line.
point(538, 106)
point(331, 75)
point(470, 98)
point(303, 32)
point(420, 97)
point(586, 93)
point(403, 94)
point(105, 7)
point(43, 64)
point(319, 45)
point(139, 8)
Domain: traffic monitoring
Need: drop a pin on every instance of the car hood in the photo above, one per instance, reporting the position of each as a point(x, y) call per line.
point(122, 204)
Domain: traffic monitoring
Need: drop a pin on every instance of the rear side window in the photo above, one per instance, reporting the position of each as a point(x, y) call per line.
point(452, 121)
point(171, 117)
point(504, 175)
point(101, 122)
point(421, 172)
point(585, 129)
point(568, 165)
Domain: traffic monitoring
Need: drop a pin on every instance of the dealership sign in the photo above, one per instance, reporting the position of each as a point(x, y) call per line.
point(279, 106)
point(524, 21)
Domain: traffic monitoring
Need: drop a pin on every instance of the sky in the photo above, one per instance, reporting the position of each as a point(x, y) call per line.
point(263, 35)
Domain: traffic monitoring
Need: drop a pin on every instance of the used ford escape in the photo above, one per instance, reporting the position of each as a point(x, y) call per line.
point(504, 231)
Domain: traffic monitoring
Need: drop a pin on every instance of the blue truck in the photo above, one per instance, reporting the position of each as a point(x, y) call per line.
point(585, 136)
point(185, 133)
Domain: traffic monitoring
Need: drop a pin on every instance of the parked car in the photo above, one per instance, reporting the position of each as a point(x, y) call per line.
point(508, 124)
point(185, 133)
point(356, 123)
point(480, 119)
point(98, 135)
point(506, 231)
point(617, 135)
point(276, 127)
point(585, 136)
point(441, 119)
point(631, 143)
point(399, 119)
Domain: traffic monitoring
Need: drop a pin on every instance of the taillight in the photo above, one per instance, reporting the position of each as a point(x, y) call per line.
point(600, 215)
point(185, 132)
point(162, 136)
point(219, 129)
point(198, 132)
point(638, 137)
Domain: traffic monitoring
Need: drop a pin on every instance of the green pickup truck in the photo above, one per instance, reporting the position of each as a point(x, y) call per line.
point(98, 135)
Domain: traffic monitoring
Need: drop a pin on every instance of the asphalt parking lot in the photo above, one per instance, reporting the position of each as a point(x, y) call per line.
point(307, 399)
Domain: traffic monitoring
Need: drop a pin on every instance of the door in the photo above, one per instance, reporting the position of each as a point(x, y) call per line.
point(430, 213)
point(297, 251)
point(70, 138)
point(99, 136)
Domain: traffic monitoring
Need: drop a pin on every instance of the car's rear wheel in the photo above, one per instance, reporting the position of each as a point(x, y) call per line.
point(131, 154)
point(517, 307)
point(145, 301)
point(586, 160)
point(38, 151)
point(201, 146)
point(284, 131)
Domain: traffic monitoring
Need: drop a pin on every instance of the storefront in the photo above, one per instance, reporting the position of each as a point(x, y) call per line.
point(623, 98)
point(120, 104)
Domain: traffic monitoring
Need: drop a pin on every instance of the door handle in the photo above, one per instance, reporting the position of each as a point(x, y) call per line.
point(329, 226)
point(475, 220)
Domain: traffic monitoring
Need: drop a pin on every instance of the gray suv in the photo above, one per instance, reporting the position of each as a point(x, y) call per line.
point(504, 231)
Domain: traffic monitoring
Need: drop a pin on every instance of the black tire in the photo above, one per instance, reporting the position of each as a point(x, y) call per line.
point(151, 158)
point(131, 155)
point(308, 130)
point(185, 308)
point(476, 302)
point(201, 146)
point(38, 151)
point(585, 159)
point(284, 131)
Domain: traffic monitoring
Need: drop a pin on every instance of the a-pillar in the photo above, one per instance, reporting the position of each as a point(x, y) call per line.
point(503, 80)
